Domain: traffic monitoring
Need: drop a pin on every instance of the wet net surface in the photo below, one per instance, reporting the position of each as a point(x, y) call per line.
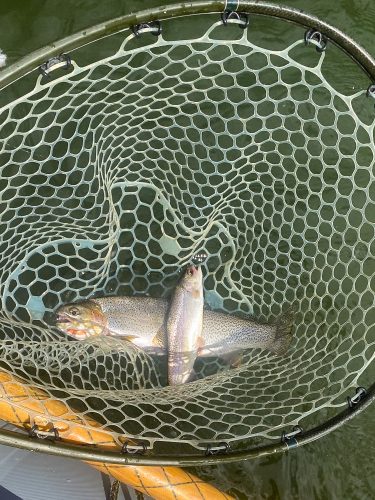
point(116, 173)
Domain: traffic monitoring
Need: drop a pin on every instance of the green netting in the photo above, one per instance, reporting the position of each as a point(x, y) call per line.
point(259, 153)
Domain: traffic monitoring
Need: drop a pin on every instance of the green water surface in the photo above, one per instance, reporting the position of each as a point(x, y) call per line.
point(339, 466)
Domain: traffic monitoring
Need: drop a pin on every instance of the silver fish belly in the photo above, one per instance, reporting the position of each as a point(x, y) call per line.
point(184, 326)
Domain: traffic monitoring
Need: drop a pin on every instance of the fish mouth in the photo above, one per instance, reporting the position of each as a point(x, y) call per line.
point(193, 270)
point(66, 325)
point(62, 318)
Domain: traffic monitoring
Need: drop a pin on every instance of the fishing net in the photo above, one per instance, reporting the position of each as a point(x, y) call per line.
point(118, 167)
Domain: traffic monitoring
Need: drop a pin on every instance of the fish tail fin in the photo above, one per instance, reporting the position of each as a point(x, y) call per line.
point(283, 337)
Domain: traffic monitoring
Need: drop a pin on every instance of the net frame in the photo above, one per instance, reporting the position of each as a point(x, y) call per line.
point(29, 64)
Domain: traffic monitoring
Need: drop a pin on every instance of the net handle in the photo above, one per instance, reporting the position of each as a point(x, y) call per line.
point(84, 37)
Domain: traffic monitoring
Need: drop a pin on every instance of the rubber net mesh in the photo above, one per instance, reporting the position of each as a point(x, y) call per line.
point(115, 173)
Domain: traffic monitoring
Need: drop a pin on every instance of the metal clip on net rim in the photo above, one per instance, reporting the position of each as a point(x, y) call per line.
point(289, 438)
point(316, 38)
point(221, 448)
point(153, 27)
point(61, 61)
point(35, 432)
point(231, 17)
point(133, 449)
point(360, 393)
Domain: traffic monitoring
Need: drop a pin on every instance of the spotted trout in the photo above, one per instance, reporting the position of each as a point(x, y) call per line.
point(184, 326)
point(143, 321)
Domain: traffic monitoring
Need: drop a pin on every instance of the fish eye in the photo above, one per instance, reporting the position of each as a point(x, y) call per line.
point(74, 311)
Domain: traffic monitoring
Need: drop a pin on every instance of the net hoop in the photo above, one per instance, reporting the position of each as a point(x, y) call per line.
point(31, 62)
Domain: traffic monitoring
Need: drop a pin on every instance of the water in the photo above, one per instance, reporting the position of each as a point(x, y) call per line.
point(338, 466)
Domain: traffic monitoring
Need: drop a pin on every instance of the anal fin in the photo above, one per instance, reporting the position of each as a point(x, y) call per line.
point(233, 359)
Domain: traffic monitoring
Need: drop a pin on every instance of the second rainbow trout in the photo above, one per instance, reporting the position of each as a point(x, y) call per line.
point(143, 321)
point(184, 326)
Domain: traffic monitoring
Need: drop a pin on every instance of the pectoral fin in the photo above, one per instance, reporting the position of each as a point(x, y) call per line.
point(127, 338)
point(200, 343)
point(160, 339)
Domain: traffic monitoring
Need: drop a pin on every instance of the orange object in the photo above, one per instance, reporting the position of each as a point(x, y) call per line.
point(24, 405)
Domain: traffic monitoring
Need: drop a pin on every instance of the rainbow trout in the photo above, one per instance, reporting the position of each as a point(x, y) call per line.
point(184, 326)
point(143, 321)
